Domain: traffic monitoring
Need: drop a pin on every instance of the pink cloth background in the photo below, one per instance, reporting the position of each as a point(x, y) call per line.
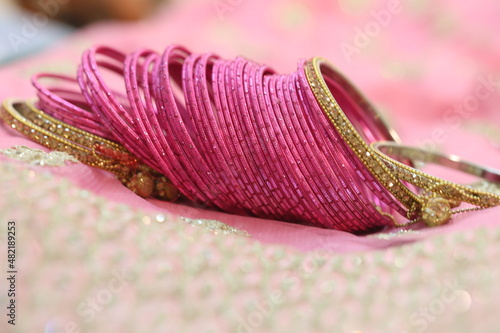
point(425, 58)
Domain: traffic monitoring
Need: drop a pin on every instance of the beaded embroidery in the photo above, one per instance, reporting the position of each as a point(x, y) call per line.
point(37, 156)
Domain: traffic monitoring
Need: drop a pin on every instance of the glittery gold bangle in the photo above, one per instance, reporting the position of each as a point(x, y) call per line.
point(354, 139)
point(440, 195)
point(87, 148)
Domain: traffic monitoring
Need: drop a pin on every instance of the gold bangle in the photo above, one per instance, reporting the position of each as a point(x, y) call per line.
point(88, 148)
point(439, 195)
point(353, 138)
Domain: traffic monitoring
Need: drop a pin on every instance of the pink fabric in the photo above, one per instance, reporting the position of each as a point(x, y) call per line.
point(424, 62)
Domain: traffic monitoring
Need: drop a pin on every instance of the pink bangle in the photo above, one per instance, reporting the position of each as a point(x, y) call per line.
point(223, 99)
point(136, 81)
point(63, 103)
point(324, 180)
point(248, 139)
point(102, 100)
point(208, 132)
point(243, 162)
point(355, 125)
point(169, 119)
point(335, 165)
point(252, 78)
point(196, 154)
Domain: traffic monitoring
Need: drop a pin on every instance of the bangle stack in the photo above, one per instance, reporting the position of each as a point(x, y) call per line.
point(236, 136)
point(87, 148)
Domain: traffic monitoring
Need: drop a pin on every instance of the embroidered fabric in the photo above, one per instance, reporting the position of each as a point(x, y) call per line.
point(86, 264)
point(37, 156)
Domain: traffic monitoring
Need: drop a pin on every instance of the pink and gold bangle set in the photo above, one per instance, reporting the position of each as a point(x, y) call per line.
point(234, 135)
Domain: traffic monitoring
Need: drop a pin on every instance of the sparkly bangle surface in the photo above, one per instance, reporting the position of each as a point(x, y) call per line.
point(354, 138)
point(447, 189)
point(439, 193)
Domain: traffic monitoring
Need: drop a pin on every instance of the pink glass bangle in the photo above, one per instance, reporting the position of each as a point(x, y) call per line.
point(170, 121)
point(243, 162)
point(325, 209)
point(208, 132)
point(317, 118)
point(223, 98)
point(223, 196)
point(327, 176)
point(63, 104)
point(253, 75)
point(354, 142)
point(248, 138)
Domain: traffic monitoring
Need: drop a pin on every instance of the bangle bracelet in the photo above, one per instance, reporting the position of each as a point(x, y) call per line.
point(246, 78)
point(67, 104)
point(438, 195)
point(88, 149)
point(235, 135)
point(358, 138)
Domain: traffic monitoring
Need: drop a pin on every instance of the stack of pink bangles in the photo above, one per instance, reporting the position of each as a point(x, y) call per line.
point(235, 135)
